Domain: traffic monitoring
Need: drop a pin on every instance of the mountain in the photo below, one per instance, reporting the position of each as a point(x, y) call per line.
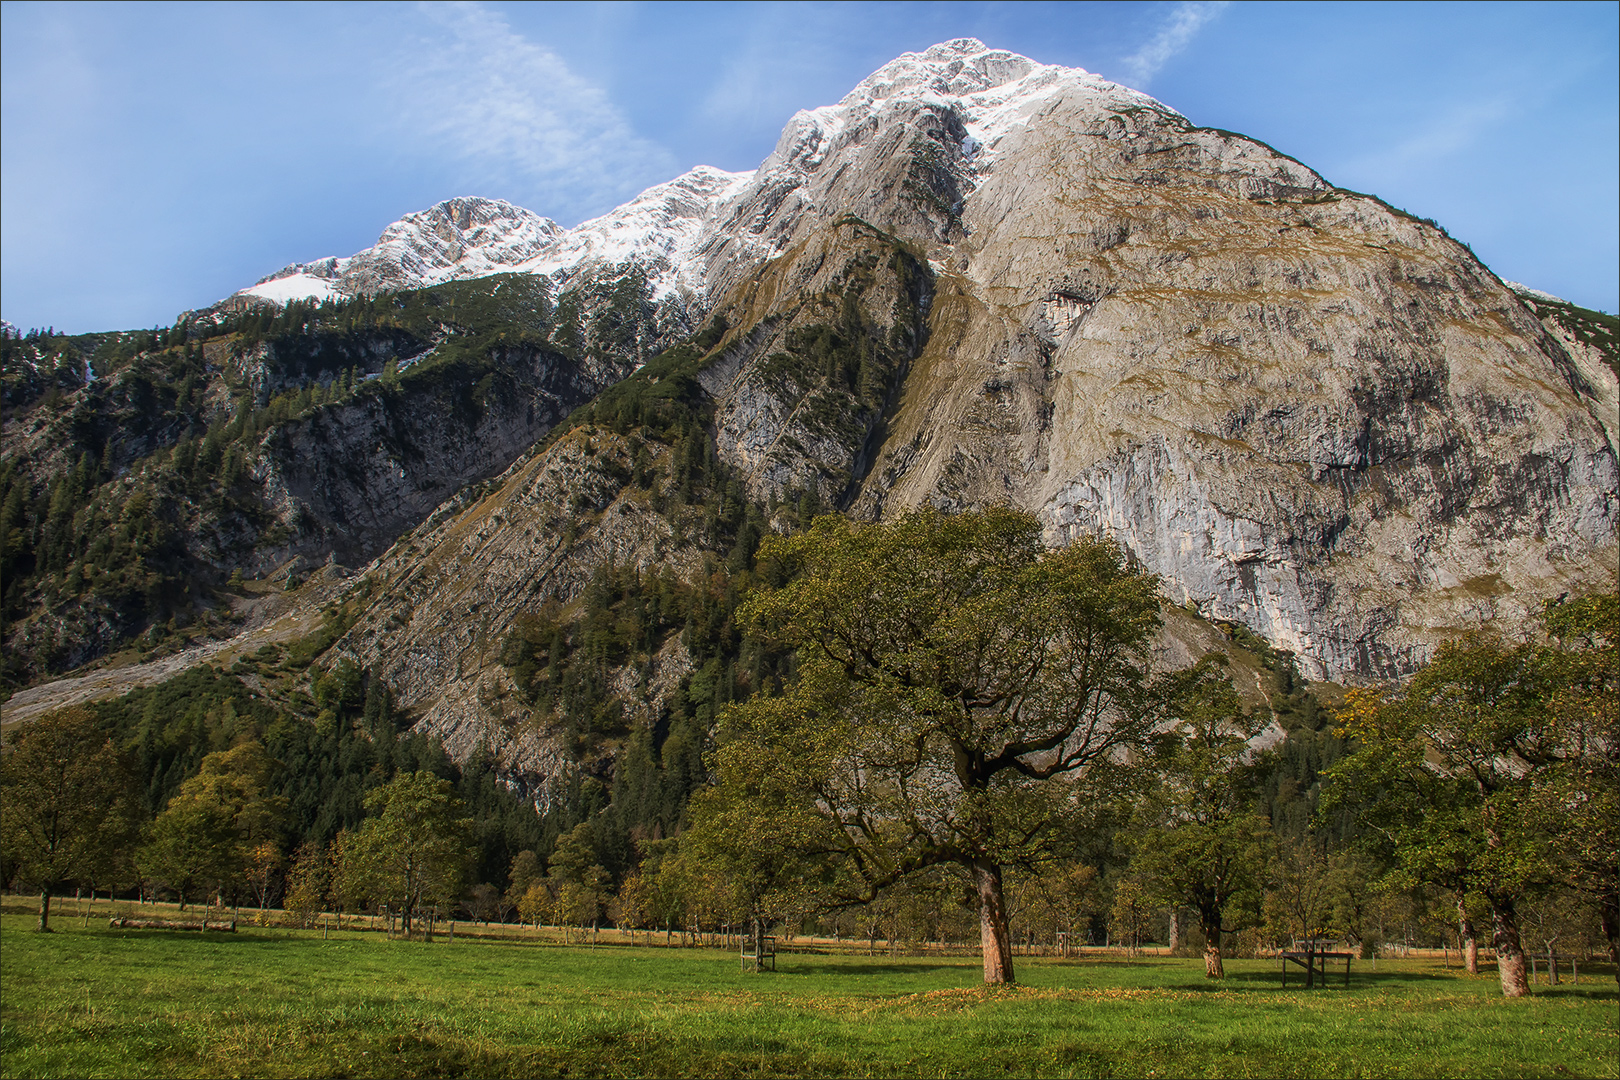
point(977, 279)
point(469, 237)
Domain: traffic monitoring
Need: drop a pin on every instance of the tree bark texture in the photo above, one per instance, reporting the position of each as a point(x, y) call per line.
point(1213, 968)
point(1510, 959)
point(1470, 943)
point(994, 938)
point(1175, 929)
point(45, 909)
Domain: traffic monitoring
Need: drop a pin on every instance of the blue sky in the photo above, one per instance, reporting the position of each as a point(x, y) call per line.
point(158, 157)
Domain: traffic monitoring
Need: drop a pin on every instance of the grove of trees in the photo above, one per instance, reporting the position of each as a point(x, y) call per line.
point(923, 730)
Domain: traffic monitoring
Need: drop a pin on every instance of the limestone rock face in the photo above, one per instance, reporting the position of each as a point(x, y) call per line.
point(1309, 413)
point(350, 478)
point(446, 596)
point(834, 325)
point(982, 280)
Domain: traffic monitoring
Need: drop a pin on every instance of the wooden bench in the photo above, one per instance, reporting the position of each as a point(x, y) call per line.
point(767, 951)
point(1313, 957)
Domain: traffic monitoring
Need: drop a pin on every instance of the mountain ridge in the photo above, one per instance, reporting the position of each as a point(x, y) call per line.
point(975, 280)
point(674, 228)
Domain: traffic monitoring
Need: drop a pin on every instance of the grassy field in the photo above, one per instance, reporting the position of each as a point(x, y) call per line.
point(88, 1001)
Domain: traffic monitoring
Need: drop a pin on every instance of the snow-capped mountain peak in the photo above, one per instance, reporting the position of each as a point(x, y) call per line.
point(462, 237)
point(990, 90)
point(469, 237)
point(676, 230)
point(659, 229)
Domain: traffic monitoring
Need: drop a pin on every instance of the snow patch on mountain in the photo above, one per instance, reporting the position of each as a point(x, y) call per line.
point(668, 229)
point(469, 237)
point(1537, 294)
point(299, 284)
point(658, 230)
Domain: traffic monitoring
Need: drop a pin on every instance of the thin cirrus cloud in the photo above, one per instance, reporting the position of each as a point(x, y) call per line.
point(511, 114)
point(779, 65)
point(1174, 36)
point(1453, 131)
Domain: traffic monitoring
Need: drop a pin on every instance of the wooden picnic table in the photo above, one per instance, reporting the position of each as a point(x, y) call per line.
point(1314, 960)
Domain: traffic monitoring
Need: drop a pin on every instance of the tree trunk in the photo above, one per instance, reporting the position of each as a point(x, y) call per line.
point(1175, 929)
point(44, 909)
point(1470, 943)
point(1510, 959)
point(1213, 968)
point(994, 939)
point(1609, 920)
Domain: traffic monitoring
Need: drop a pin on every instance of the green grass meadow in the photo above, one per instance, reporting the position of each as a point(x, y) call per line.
point(89, 1001)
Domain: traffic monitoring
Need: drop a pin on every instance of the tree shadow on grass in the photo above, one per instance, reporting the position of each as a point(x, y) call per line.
point(863, 969)
point(244, 938)
point(1263, 981)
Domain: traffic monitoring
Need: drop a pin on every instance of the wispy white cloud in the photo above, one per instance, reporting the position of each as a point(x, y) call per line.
point(1441, 134)
point(778, 66)
point(515, 113)
point(1173, 36)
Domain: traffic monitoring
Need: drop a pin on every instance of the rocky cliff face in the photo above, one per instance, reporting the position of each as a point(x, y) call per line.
point(351, 477)
point(983, 280)
point(792, 405)
point(1308, 412)
point(297, 437)
point(977, 280)
point(445, 597)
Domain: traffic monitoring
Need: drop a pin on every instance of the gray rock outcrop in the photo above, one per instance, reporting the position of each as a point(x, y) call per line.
point(1308, 412)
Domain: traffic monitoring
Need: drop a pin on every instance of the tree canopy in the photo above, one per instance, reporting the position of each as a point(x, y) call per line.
point(1493, 771)
point(1198, 838)
point(70, 807)
point(206, 835)
point(416, 847)
point(958, 686)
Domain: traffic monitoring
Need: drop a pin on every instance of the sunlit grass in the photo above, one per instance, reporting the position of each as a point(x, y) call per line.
point(95, 1002)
